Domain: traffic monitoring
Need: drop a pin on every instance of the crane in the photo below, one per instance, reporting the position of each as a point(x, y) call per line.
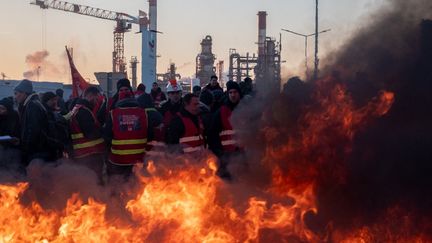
point(124, 24)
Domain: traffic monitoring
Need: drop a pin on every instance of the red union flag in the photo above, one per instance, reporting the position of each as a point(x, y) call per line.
point(78, 82)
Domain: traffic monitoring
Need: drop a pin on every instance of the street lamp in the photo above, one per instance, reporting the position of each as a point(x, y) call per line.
point(306, 43)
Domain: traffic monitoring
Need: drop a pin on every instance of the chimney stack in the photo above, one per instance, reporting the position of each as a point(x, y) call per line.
point(262, 29)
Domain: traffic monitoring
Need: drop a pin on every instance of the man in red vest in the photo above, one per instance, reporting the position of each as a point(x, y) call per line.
point(187, 128)
point(126, 131)
point(170, 107)
point(222, 135)
point(86, 133)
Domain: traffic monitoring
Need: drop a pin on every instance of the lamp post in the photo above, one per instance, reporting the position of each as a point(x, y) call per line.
point(306, 44)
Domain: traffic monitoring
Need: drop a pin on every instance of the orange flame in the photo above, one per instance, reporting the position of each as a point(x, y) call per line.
point(188, 203)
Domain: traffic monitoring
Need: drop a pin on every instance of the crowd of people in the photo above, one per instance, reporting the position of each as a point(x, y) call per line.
point(110, 136)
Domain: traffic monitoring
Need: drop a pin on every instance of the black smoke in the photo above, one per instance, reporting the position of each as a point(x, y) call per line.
point(389, 165)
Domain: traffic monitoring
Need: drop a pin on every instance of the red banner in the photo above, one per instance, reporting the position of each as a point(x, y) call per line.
point(79, 84)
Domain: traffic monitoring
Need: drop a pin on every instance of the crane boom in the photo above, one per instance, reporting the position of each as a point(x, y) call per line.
point(124, 24)
point(85, 10)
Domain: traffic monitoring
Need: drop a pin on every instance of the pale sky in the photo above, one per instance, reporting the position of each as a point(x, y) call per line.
point(26, 29)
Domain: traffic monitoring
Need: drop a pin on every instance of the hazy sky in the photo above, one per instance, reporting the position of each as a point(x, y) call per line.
point(26, 29)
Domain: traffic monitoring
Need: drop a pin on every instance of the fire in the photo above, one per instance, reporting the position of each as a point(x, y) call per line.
point(183, 201)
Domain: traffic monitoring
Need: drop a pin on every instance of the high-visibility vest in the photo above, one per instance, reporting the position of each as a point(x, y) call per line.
point(83, 146)
point(229, 144)
point(129, 126)
point(192, 139)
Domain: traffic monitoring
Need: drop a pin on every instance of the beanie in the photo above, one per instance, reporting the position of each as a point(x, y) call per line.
point(59, 92)
point(47, 96)
point(124, 82)
point(233, 85)
point(25, 86)
point(8, 103)
point(141, 87)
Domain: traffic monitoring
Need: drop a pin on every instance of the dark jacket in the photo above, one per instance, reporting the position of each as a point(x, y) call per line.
point(154, 118)
point(168, 112)
point(176, 128)
point(154, 94)
point(216, 127)
point(34, 125)
point(9, 123)
point(167, 106)
point(212, 88)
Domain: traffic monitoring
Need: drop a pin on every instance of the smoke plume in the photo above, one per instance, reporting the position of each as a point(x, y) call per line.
point(39, 66)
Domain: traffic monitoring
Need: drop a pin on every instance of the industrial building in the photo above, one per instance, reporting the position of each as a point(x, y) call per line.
point(263, 68)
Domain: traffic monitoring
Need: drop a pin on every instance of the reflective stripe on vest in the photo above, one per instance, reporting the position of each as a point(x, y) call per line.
point(192, 149)
point(192, 140)
point(129, 135)
point(127, 151)
point(155, 148)
point(128, 141)
point(227, 135)
point(88, 144)
point(77, 135)
point(227, 132)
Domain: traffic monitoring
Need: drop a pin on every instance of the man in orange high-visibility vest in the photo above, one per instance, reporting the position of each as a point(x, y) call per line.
point(86, 133)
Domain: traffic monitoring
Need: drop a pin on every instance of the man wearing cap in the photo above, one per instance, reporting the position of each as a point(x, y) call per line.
point(34, 124)
point(222, 136)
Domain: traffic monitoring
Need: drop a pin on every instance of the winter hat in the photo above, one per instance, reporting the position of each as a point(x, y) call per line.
point(233, 85)
point(206, 97)
point(59, 92)
point(124, 82)
point(25, 86)
point(8, 103)
point(47, 96)
point(141, 87)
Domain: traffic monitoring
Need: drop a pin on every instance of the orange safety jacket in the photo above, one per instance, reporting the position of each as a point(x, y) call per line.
point(192, 139)
point(229, 144)
point(83, 146)
point(129, 126)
